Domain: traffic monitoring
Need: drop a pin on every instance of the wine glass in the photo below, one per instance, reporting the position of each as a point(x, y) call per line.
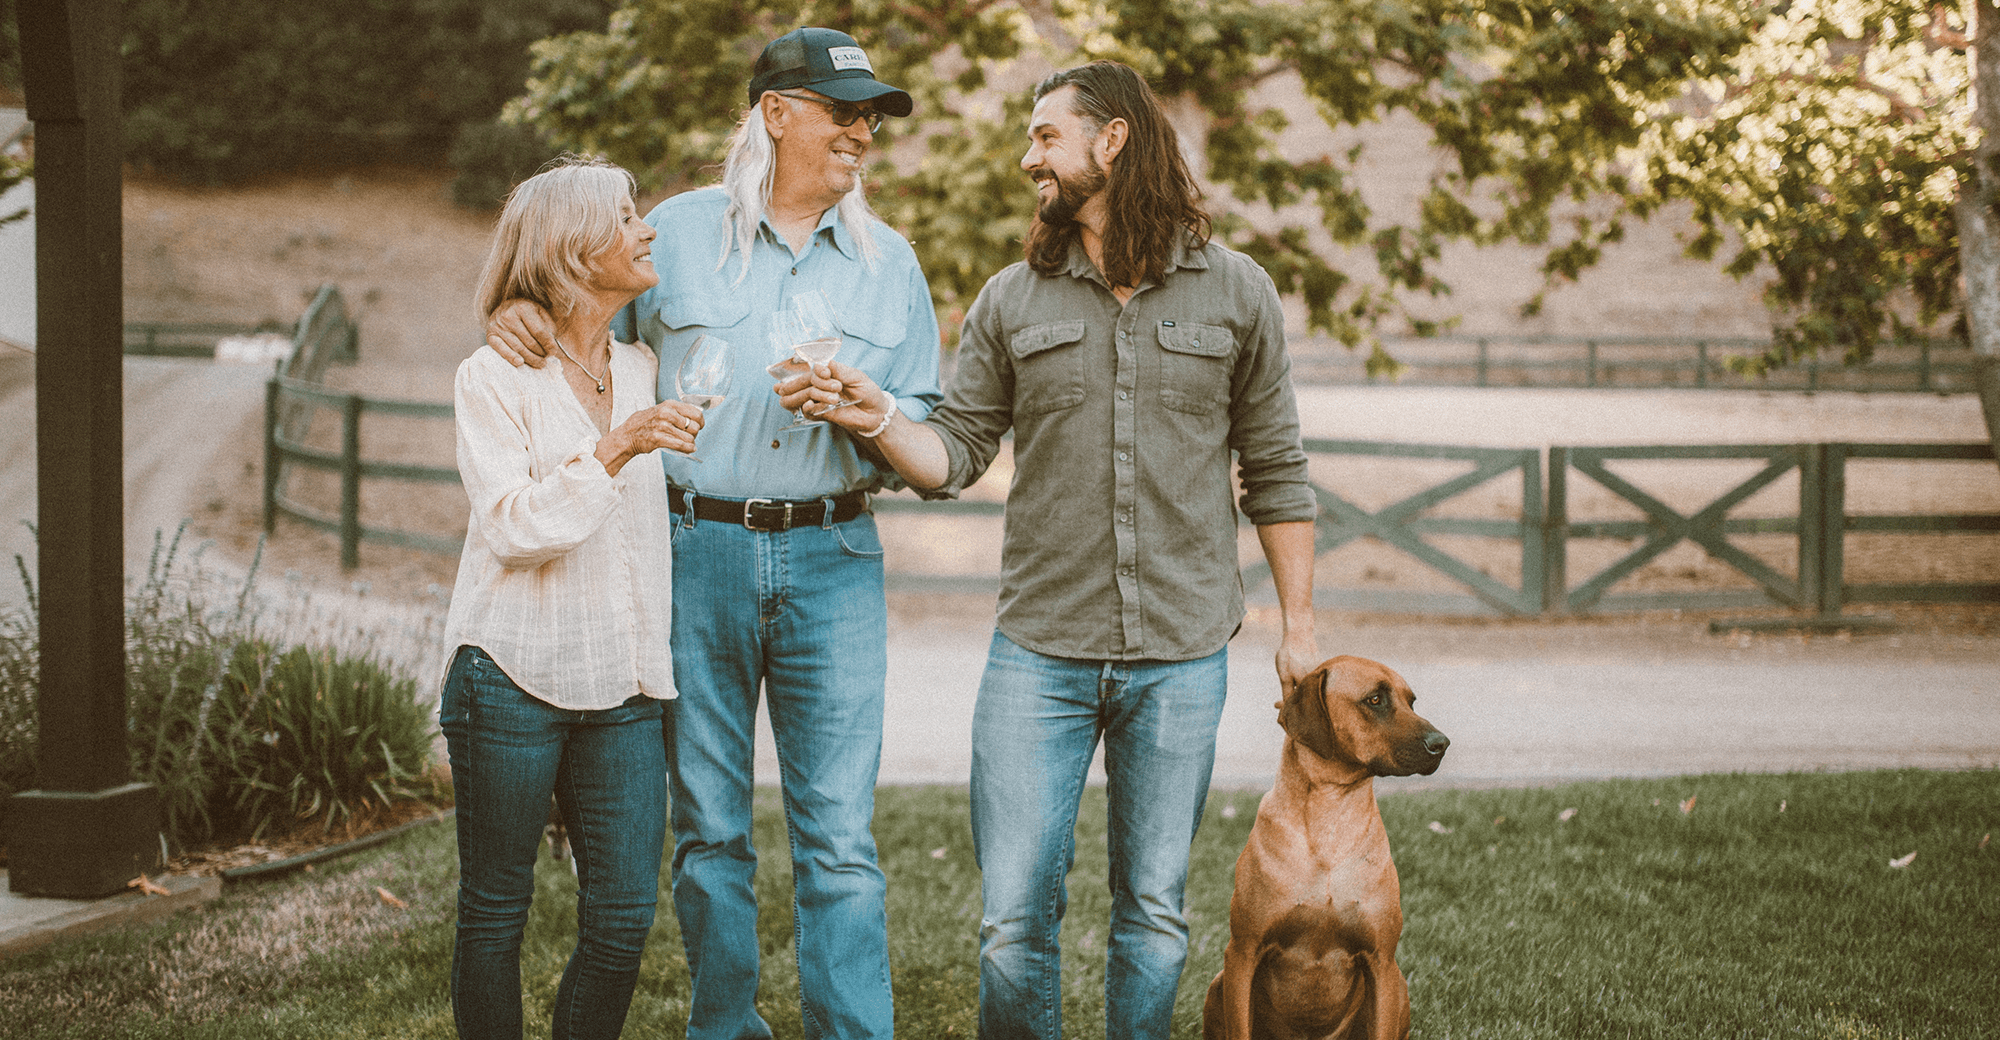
point(702, 378)
point(809, 333)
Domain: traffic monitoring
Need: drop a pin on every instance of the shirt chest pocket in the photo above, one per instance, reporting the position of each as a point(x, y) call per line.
point(1048, 367)
point(1196, 363)
point(703, 310)
point(870, 314)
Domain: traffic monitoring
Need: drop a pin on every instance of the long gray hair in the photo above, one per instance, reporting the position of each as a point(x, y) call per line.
point(747, 173)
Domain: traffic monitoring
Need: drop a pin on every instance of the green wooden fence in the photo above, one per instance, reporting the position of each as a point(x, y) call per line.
point(1546, 531)
point(1541, 536)
point(292, 400)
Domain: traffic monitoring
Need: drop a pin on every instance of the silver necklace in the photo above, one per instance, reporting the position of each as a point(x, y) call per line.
point(579, 364)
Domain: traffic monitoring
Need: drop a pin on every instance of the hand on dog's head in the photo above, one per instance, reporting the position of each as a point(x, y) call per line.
point(1355, 712)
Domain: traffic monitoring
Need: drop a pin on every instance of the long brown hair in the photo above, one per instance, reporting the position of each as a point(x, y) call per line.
point(1153, 198)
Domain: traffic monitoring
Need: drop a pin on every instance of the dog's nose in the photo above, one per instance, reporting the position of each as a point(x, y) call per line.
point(1435, 742)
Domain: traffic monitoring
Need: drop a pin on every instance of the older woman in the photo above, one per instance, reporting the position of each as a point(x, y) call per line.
point(560, 611)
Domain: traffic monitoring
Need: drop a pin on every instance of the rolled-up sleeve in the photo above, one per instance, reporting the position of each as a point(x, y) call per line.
point(1264, 420)
point(526, 519)
point(979, 409)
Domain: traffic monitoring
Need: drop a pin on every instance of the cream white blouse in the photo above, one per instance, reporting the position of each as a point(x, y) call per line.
point(567, 579)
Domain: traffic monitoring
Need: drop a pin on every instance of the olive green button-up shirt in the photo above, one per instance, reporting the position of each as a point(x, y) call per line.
point(1120, 536)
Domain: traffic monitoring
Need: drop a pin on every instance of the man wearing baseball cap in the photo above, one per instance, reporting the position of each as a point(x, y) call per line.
point(777, 563)
point(826, 61)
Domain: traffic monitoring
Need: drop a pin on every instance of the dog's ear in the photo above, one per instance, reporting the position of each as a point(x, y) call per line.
point(1304, 714)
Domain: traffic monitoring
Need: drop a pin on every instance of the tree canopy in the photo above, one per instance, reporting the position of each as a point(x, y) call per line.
point(220, 90)
point(1832, 158)
point(1827, 148)
point(1536, 106)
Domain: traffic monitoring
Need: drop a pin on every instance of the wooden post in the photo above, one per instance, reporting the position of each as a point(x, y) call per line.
point(273, 395)
point(1833, 530)
point(1555, 536)
point(86, 830)
point(1812, 525)
point(350, 483)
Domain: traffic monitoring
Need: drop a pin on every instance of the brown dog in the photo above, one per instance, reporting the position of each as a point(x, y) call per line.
point(1317, 911)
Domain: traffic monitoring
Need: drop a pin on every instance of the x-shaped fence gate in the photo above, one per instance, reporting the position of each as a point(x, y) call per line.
point(1545, 529)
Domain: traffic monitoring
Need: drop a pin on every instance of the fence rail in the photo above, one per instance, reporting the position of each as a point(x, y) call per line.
point(1546, 530)
point(1542, 532)
point(292, 400)
point(1925, 366)
point(1540, 537)
point(183, 338)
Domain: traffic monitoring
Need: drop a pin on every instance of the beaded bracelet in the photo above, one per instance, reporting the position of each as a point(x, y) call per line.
point(886, 420)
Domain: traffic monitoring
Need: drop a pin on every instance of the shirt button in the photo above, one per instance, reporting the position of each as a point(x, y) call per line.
point(1123, 396)
point(1121, 333)
point(795, 270)
point(1122, 456)
point(774, 442)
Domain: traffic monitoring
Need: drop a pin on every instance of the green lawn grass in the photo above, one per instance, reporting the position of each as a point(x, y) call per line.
point(1769, 909)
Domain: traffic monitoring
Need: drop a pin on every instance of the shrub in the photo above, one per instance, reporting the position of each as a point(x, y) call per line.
point(242, 737)
point(327, 736)
point(224, 91)
point(20, 677)
point(179, 658)
point(491, 157)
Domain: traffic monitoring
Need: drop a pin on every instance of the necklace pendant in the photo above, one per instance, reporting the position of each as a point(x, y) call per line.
point(600, 388)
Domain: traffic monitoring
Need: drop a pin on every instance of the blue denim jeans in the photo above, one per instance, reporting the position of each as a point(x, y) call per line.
point(509, 752)
point(1034, 731)
point(801, 614)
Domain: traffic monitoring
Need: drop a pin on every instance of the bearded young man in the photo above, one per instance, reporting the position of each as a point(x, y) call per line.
point(1131, 356)
point(777, 563)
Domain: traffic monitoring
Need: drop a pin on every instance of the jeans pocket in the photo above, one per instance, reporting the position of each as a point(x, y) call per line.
point(455, 698)
point(859, 538)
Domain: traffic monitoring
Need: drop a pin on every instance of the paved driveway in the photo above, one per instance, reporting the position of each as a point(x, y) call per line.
point(179, 416)
point(1539, 703)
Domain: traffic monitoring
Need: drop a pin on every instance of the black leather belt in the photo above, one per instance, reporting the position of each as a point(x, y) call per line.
point(768, 514)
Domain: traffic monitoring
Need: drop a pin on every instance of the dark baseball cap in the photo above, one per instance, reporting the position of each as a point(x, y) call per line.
point(827, 61)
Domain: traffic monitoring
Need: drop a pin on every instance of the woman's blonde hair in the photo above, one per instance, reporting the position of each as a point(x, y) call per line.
point(553, 223)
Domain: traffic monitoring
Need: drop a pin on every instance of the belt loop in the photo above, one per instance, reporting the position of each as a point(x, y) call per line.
point(688, 498)
point(826, 513)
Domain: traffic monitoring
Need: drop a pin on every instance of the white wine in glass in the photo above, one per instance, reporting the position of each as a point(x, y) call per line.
point(813, 336)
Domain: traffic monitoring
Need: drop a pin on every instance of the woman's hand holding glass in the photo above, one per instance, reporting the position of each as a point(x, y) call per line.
point(670, 424)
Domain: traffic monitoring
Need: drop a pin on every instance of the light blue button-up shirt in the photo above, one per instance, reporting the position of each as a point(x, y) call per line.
point(888, 329)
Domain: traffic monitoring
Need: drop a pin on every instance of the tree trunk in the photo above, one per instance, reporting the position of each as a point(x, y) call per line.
point(1979, 220)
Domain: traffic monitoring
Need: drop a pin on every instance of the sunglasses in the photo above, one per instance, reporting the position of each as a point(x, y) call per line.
point(842, 113)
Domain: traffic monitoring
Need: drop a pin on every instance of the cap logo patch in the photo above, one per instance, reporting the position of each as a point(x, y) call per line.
point(844, 58)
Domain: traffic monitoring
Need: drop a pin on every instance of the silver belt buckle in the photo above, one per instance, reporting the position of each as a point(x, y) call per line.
point(750, 509)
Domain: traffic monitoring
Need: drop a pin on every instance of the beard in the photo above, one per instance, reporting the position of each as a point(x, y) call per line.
point(1062, 207)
